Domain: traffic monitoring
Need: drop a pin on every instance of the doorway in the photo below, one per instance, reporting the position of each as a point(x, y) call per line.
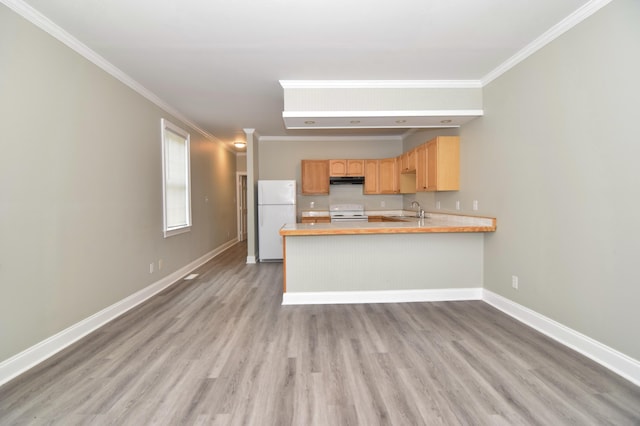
point(241, 196)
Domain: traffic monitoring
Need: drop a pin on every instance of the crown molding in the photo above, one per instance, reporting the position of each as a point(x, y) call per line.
point(396, 138)
point(51, 28)
point(554, 32)
point(381, 84)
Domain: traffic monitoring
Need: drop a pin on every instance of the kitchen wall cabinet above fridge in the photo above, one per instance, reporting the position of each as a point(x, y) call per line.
point(315, 177)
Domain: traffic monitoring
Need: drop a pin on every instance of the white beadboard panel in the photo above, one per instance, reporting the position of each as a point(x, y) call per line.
point(384, 262)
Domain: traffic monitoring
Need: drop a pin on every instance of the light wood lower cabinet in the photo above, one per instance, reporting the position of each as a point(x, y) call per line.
point(316, 219)
point(384, 219)
point(315, 177)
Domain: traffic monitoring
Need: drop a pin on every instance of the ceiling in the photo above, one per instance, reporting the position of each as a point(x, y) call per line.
point(219, 62)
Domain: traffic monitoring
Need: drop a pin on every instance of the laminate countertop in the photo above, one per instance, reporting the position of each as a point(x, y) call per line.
point(432, 223)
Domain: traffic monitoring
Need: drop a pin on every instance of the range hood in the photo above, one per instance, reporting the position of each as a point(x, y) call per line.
point(346, 180)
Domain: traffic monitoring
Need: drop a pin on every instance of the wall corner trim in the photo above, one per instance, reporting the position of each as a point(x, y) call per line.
point(38, 353)
point(615, 361)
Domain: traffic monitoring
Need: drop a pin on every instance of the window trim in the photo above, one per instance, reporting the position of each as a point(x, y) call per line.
point(167, 125)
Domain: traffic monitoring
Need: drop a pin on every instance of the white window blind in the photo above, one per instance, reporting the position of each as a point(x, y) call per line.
point(176, 179)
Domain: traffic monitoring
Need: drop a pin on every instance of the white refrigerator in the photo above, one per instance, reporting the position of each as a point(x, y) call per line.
point(276, 206)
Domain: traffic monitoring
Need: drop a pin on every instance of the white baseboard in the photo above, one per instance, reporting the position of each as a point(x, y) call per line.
point(385, 296)
point(615, 361)
point(251, 260)
point(34, 355)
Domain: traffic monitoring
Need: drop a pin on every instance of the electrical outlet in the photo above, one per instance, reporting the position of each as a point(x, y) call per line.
point(514, 281)
point(438, 205)
point(159, 264)
point(475, 204)
point(457, 205)
point(383, 204)
point(151, 268)
point(312, 204)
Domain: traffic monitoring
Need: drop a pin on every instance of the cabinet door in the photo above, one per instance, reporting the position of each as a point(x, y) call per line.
point(421, 169)
point(411, 160)
point(432, 165)
point(388, 176)
point(371, 182)
point(443, 164)
point(403, 162)
point(315, 177)
point(355, 167)
point(337, 167)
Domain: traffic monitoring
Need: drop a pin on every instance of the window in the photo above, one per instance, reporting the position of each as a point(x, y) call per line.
point(176, 182)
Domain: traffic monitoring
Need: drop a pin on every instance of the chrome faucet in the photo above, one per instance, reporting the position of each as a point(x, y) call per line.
point(420, 211)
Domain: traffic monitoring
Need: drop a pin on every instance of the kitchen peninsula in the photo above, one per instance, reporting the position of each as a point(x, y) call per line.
point(436, 258)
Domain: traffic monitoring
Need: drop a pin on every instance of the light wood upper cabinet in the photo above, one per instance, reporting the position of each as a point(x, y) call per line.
point(388, 176)
point(315, 177)
point(432, 166)
point(443, 164)
point(355, 167)
point(371, 181)
point(411, 160)
point(422, 184)
point(346, 167)
point(408, 162)
point(337, 167)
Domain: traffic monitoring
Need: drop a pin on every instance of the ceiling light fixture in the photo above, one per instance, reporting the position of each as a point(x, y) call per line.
point(309, 122)
point(354, 121)
point(401, 121)
point(240, 144)
point(445, 121)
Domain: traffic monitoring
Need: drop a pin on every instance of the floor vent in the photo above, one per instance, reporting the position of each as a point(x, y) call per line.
point(191, 276)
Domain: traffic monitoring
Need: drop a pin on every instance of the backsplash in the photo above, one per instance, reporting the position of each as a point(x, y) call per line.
point(340, 194)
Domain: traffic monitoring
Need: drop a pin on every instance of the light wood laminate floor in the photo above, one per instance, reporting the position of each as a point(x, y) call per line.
point(222, 350)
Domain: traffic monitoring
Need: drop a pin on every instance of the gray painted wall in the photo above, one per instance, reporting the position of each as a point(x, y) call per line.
point(280, 159)
point(81, 189)
point(555, 159)
point(241, 162)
